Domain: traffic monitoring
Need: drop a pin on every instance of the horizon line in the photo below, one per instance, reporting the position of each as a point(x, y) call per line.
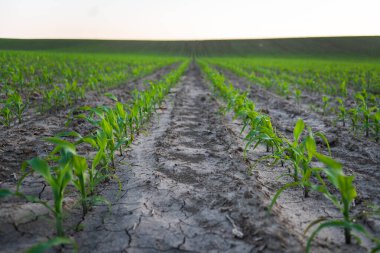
point(211, 39)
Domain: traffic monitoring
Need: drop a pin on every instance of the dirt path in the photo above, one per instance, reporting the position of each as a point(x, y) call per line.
point(181, 182)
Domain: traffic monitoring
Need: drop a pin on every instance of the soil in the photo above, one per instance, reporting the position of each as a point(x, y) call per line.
point(360, 157)
point(24, 141)
point(185, 188)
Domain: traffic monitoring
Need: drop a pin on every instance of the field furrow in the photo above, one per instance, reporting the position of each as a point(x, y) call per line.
point(24, 141)
point(182, 181)
point(189, 151)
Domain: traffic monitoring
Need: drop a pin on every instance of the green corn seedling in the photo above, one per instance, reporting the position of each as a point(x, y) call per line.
point(343, 89)
point(7, 116)
point(80, 168)
point(17, 105)
point(365, 110)
point(262, 132)
point(56, 241)
point(68, 168)
point(58, 178)
point(347, 191)
point(118, 125)
point(376, 124)
point(78, 165)
point(342, 112)
point(298, 94)
point(354, 117)
point(294, 151)
point(97, 175)
point(299, 154)
point(325, 104)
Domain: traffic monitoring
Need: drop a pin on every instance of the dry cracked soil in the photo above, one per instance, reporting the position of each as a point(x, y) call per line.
point(184, 189)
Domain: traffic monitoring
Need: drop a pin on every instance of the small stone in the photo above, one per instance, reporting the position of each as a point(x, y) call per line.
point(224, 209)
point(247, 195)
point(237, 233)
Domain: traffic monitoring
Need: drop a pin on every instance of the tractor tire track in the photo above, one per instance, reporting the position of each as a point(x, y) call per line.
point(185, 185)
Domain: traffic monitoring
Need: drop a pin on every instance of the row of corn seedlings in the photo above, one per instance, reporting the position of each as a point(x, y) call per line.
point(362, 116)
point(12, 108)
point(58, 80)
point(299, 153)
point(115, 128)
point(329, 76)
point(364, 113)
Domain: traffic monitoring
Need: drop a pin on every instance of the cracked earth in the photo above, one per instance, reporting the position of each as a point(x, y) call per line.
point(184, 189)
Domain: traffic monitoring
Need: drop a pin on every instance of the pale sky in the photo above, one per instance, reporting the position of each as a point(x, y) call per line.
point(187, 19)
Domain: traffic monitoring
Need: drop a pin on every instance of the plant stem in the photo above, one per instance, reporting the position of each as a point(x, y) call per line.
point(346, 215)
point(306, 191)
point(113, 161)
point(59, 223)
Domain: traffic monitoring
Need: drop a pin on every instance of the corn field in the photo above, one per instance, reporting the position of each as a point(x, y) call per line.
point(103, 152)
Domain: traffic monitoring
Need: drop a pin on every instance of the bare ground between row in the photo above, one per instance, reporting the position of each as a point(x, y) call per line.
point(181, 182)
point(22, 224)
point(24, 141)
point(359, 157)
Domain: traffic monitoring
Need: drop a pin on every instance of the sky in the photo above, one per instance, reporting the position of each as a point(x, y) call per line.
point(187, 19)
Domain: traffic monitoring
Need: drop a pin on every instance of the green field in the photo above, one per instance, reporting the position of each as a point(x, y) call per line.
point(320, 47)
point(235, 145)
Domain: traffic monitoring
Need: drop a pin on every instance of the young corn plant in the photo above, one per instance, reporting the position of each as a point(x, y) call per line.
point(68, 167)
point(50, 244)
point(104, 139)
point(265, 135)
point(115, 118)
point(300, 154)
point(132, 121)
point(325, 104)
point(262, 132)
point(347, 194)
point(343, 89)
point(354, 117)
point(98, 171)
point(17, 105)
point(376, 124)
point(122, 125)
point(365, 110)
point(6, 116)
point(298, 94)
point(342, 111)
point(107, 131)
point(77, 163)
point(80, 168)
point(284, 88)
point(58, 177)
